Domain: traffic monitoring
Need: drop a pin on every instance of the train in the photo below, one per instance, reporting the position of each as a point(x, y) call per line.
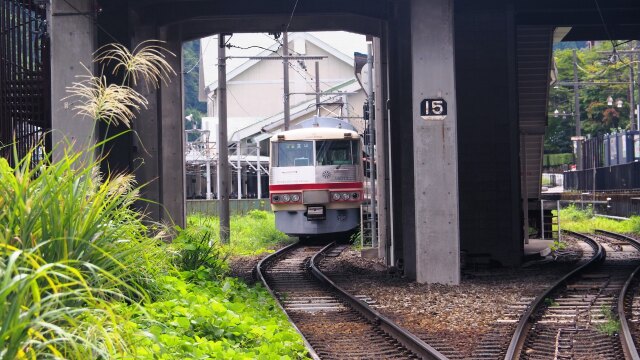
point(316, 178)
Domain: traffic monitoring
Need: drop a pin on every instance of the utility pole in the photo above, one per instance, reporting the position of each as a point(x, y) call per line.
point(285, 64)
point(635, 47)
point(372, 129)
point(317, 88)
point(576, 111)
point(632, 94)
point(223, 149)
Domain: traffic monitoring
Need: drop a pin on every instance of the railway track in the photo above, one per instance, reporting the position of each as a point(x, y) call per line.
point(335, 324)
point(576, 318)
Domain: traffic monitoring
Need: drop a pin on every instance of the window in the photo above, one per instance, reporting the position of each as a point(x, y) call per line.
point(293, 153)
point(337, 152)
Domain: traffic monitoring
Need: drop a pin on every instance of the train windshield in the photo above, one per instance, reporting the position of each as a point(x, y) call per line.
point(293, 153)
point(337, 152)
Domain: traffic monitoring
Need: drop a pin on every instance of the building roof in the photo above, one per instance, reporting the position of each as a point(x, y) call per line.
point(340, 44)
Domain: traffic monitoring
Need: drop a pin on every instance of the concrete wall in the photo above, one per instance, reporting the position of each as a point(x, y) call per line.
point(72, 43)
point(490, 211)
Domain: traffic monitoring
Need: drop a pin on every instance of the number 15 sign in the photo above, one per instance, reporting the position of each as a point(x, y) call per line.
point(433, 109)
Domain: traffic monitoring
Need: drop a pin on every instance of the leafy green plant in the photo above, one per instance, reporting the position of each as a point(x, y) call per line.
point(355, 240)
point(550, 302)
point(197, 250)
point(558, 245)
point(222, 319)
point(612, 325)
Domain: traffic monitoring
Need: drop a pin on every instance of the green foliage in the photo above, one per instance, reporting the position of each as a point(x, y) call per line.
point(252, 234)
point(557, 159)
point(596, 116)
point(550, 302)
point(611, 324)
point(355, 240)
point(223, 319)
point(575, 219)
point(67, 211)
point(197, 250)
point(191, 72)
point(558, 245)
point(49, 310)
point(77, 263)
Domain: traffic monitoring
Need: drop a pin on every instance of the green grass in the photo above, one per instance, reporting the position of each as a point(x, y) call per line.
point(251, 234)
point(575, 219)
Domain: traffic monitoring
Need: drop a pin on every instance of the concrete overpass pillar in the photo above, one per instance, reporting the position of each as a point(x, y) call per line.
point(146, 142)
point(490, 197)
point(72, 36)
point(158, 145)
point(171, 147)
point(437, 239)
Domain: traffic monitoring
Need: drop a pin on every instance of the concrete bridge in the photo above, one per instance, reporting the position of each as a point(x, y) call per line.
point(463, 183)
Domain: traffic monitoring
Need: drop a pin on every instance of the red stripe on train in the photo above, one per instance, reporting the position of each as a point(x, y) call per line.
point(323, 186)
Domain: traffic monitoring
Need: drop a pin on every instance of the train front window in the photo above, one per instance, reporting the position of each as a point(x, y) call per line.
point(295, 153)
point(337, 152)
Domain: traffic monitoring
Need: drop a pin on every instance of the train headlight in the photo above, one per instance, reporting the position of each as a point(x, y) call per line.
point(286, 197)
point(345, 196)
point(336, 196)
point(355, 195)
point(295, 198)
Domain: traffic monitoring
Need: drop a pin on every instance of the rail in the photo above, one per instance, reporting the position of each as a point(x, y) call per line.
point(626, 338)
point(260, 276)
point(404, 337)
point(515, 346)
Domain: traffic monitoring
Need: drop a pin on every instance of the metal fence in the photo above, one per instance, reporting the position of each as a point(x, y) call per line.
point(616, 177)
point(25, 115)
point(236, 207)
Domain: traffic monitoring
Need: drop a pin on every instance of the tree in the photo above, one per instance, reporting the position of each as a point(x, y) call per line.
point(597, 117)
point(191, 70)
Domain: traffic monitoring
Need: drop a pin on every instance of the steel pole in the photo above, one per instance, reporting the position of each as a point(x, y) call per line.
point(285, 68)
point(576, 94)
point(542, 218)
point(317, 88)
point(239, 169)
point(372, 130)
point(223, 149)
point(632, 94)
point(258, 170)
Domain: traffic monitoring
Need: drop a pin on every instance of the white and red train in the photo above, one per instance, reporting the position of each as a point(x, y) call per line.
point(316, 179)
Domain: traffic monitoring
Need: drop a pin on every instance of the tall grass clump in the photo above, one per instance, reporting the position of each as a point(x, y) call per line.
point(72, 247)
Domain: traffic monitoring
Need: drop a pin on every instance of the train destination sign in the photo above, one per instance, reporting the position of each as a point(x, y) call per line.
point(433, 109)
